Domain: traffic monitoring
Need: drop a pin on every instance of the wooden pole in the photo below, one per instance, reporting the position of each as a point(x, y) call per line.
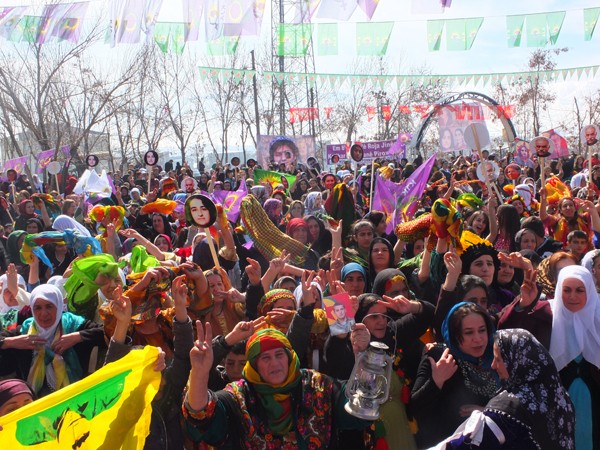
point(211, 245)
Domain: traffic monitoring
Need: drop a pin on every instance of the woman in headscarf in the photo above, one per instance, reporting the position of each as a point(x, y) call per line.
point(354, 277)
point(402, 338)
point(14, 394)
point(381, 257)
point(314, 204)
point(42, 350)
point(64, 222)
point(574, 347)
point(276, 404)
point(272, 207)
point(455, 378)
point(13, 248)
point(319, 236)
point(26, 212)
point(14, 299)
point(260, 193)
point(533, 409)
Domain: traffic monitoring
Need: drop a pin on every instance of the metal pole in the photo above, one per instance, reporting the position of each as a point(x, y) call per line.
point(255, 89)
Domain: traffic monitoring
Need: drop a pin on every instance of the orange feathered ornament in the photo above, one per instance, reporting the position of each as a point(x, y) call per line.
point(99, 213)
point(160, 206)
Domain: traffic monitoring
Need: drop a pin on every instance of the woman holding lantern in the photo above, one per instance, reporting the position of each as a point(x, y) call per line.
point(275, 405)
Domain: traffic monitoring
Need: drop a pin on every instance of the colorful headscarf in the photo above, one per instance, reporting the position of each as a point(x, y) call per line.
point(275, 398)
point(81, 286)
point(100, 212)
point(270, 298)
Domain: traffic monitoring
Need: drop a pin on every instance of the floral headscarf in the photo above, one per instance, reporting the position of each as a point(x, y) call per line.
point(535, 382)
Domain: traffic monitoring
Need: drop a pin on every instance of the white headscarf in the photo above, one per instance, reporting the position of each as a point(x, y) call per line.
point(577, 333)
point(62, 223)
point(53, 295)
point(22, 295)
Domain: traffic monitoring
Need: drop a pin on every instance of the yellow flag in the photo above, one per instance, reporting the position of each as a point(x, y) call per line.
point(108, 410)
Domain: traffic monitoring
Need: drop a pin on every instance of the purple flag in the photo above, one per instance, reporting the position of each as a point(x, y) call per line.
point(242, 17)
point(192, 12)
point(305, 10)
point(368, 6)
point(44, 158)
point(384, 199)
point(10, 20)
point(66, 150)
point(50, 15)
point(17, 164)
point(126, 21)
point(68, 27)
point(411, 190)
point(231, 201)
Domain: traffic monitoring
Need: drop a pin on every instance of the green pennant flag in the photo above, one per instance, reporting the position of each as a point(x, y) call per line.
point(434, 34)
point(327, 39)
point(590, 18)
point(224, 45)
point(537, 34)
point(161, 36)
point(472, 26)
point(372, 38)
point(514, 30)
point(455, 34)
point(555, 21)
point(178, 37)
point(293, 40)
point(30, 27)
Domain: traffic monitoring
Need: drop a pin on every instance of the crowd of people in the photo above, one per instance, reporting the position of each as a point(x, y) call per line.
point(487, 300)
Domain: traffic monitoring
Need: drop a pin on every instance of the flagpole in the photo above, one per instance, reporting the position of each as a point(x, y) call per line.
point(372, 184)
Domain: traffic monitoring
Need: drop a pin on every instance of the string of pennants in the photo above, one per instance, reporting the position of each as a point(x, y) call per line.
point(223, 22)
point(336, 80)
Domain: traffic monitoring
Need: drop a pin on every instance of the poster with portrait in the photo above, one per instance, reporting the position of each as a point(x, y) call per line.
point(277, 150)
point(340, 313)
point(561, 146)
point(590, 134)
point(523, 154)
point(452, 121)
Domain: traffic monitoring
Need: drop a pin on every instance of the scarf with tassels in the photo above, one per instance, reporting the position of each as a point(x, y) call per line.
point(47, 365)
point(275, 399)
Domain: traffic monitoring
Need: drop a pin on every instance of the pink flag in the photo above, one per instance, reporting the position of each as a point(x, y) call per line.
point(384, 199)
point(68, 27)
point(411, 190)
point(231, 201)
point(368, 6)
point(43, 159)
point(17, 164)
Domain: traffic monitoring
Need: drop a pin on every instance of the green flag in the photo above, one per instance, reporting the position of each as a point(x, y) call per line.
point(161, 36)
point(224, 45)
point(472, 26)
point(537, 35)
point(30, 27)
point(455, 34)
point(293, 40)
point(178, 37)
point(327, 39)
point(590, 18)
point(555, 21)
point(434, 34)
point(372, 38)
point(514, 30)
point(274, 178)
